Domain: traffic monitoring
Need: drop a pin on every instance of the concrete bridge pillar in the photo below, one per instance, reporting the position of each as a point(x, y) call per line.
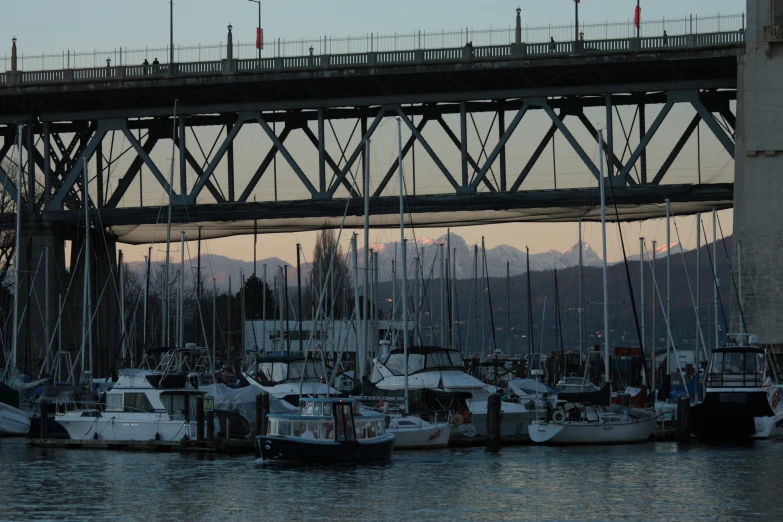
point(42, 256)
point(104, 304)
point(758, 189)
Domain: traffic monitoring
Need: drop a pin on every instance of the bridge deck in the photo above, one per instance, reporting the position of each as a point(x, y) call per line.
point(435, 75)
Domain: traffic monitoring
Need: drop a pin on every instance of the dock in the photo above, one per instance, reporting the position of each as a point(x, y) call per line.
point(226, 447)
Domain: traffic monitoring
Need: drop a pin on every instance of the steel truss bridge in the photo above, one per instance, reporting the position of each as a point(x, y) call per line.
point(70, 116)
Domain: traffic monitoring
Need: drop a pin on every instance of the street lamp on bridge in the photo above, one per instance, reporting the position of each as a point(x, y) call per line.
point(259, 37)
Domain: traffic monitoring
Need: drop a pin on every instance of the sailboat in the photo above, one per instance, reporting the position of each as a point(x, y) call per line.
point(14, 421)
point(572, 422)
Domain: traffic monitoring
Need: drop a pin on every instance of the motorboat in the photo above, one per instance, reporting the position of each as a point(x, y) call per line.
point(13, 421)
point(144, 404)
point(286, 377)
point(742, 398)
point(440, 372)
point(577, 423)
point(327, 430)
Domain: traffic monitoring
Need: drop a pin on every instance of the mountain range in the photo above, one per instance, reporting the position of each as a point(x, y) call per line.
point(426, 249)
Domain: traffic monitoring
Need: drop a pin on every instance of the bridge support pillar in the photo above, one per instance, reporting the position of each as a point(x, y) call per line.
point(104, 304)
point(758, 188)
point(42, 256)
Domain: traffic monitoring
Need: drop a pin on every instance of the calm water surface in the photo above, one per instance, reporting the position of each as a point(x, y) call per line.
point(641, 482)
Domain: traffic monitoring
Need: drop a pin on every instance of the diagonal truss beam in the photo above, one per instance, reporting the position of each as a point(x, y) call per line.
point(537, 154)
point(287, 155)
point(125, 181)
point(426, 147)
point(327, 159)
point(8, 184)
point(251, 185)
point(396, 165)
point(676, 150)
point(709, 120)
point(199, 172)
point(501, 143)
point(594, 133)
point(357, 151)
point(75, 172)
point(568, 136)
point(468, 157)
point(201, 181)
point(625, 172)
point(146, 159)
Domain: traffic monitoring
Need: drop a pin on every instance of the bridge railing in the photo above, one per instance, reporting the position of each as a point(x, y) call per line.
point(383, 58)
point(372, 42)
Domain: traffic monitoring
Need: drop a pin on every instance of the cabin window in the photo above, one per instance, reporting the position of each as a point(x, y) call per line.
point(732, 369)
point(114, 402)
point(317, 408)
point(279, 372)
point(174, 404)
point(137, 402)
point(438, 360)
point(265, 371)
point(309, 408)
point(327, 430)
point(327, 411)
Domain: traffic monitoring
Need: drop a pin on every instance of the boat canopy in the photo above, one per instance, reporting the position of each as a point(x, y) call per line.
point(422, 358)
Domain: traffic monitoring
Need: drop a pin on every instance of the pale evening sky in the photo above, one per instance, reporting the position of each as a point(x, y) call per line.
point(53, 26)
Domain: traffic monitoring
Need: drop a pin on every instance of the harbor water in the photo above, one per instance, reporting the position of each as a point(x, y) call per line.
point(661, 481)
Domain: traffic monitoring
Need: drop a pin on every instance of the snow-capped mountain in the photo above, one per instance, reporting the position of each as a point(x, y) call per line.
point(426, 249)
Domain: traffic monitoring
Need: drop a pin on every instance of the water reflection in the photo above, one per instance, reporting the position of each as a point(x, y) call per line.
point(640, 482)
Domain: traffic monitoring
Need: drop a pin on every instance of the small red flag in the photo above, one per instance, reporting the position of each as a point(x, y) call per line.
point(637, 16)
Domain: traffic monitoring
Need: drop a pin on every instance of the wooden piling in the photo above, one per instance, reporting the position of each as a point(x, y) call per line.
point(493, 422)
point(211, 426)
point(200, 417)
point(43, 414)
point(262, 411)
point(684, 419)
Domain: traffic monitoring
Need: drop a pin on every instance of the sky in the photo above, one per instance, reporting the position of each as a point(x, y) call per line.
point(85, 25)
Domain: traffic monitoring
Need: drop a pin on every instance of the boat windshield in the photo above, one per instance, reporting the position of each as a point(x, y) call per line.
point(311, 371)
point(444, 360)
point(741, 369)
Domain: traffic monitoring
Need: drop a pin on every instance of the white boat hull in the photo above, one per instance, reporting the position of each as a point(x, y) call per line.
point(512, 424)
point(768, 427)
point(126, 426)
point(434, 436)
point(592, 432)
point(13, 421)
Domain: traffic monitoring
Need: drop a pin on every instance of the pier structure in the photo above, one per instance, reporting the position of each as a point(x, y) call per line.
point(182, 127)
point(757, 265)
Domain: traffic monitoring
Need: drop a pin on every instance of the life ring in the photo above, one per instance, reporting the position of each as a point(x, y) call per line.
point(457, 420)
point(468, 417)
point(558, 417)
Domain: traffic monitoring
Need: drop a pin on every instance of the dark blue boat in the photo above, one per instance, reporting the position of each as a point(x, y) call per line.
point(327, 431)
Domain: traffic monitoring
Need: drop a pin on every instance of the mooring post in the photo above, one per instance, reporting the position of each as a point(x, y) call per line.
point(211, 426)
point(684, 419)
point(493, 422)
point(200, 417)
point(43, 414)
point(262, 412)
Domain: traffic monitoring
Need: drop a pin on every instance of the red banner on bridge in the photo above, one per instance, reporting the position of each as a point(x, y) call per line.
point(259, 38)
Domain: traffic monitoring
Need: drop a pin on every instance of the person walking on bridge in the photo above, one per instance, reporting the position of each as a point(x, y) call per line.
point(145, 65)
point(552, 45)
point(155, 65)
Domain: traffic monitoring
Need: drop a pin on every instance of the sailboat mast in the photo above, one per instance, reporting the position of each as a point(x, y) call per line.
point(641, 289)
point(86, 337)
point(716, 286)
point(146, 296)
point(181, 303)
point(404, 263)
point(17, 252)
point(668, 281)
point(530, 343)
point(443, 299)
point(603, 241)
point(365, 316)
point(454, 301)
point(654, 344)
point(357, 318)
point(581, 292)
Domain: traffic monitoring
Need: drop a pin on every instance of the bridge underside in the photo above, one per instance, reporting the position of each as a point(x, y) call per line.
point(285, 151)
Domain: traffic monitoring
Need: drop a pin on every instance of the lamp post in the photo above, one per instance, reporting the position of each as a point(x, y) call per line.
point(258, 30)
point(171, 34)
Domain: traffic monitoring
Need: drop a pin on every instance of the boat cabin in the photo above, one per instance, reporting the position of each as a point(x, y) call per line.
point(737, 367)
point(420, 359)
point(328, 420)
point(285, 368)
